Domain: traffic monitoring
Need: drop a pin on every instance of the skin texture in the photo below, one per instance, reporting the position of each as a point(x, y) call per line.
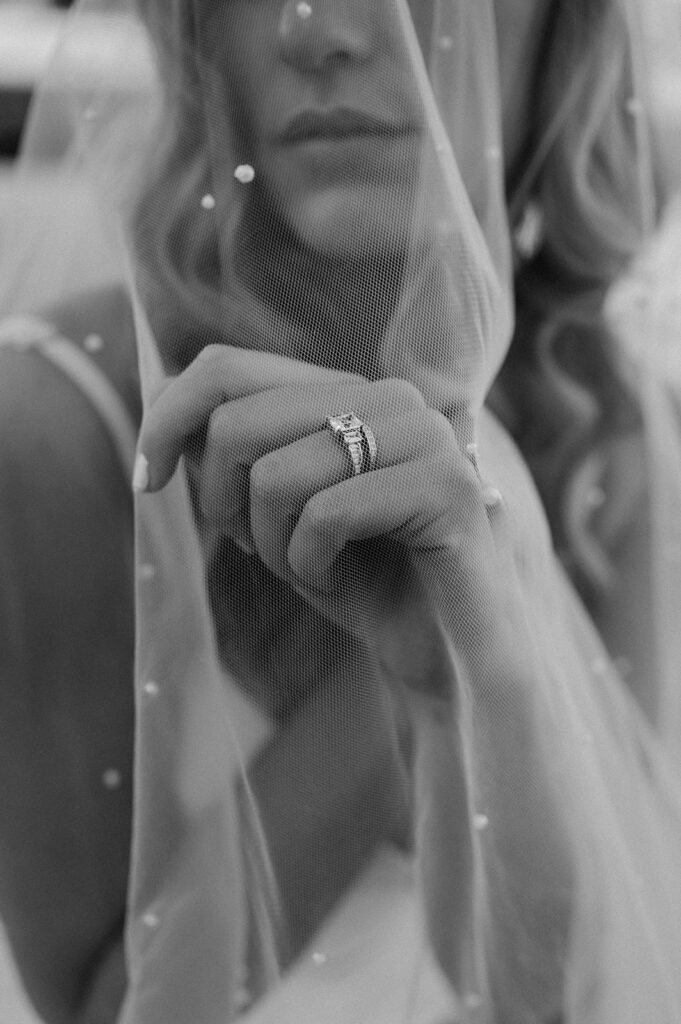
point(66, 651)
point(344, 198)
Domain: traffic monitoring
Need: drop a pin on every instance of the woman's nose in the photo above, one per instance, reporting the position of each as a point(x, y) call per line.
point(318, 35)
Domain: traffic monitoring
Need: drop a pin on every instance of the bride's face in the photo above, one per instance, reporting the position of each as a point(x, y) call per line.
point(328, 112)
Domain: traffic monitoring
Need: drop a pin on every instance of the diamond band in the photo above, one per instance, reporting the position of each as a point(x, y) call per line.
point(358, 440)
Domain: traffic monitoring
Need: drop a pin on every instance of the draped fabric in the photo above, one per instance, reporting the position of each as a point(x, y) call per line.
point(386, 770)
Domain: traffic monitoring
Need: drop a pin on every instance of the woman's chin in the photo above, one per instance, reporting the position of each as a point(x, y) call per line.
point(370, 222)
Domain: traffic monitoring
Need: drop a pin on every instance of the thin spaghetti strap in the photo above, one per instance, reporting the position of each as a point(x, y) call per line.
point(28, 332)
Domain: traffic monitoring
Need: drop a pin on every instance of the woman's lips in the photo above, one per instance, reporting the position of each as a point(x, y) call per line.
point(342, 124)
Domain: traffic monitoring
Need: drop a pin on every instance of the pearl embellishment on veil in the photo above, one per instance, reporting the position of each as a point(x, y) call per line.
point(93, 343)
point(244, 174)
point(492, 497)
point(112, 779)
point(208, 202)
point(303, 10)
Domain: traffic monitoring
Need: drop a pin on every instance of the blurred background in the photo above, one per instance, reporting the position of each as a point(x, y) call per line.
point(28, 32)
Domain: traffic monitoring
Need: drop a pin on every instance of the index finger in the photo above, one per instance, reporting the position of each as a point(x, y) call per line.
point(219, 374)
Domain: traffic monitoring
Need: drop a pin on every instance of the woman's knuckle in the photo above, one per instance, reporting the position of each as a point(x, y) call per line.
point(440, 480)
point(268, 478)
point(318, 514)
point(446, 484)
point(434, 435)
point(440, 426)
point(217, 428)
point(400, 395)
point(210, 353)
point(261, 477)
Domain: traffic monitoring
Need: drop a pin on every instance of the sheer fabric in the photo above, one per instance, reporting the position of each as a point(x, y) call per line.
point(644, 309)
point(385, 769)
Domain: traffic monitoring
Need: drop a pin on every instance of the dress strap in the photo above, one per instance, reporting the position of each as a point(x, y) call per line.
point(28, 332)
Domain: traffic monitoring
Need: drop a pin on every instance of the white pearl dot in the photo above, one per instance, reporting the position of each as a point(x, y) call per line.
point(146, 572)
point(634, 106)
point(151, 920)
point(599, 666)
point(493, 153)
point(473, 1001)
point(319, 959)
point(492, 497)
point(151, 688)
point(244, 174)
point(93, 343)
point(112, 778)
point(480, 822)
point(303, 10)
point(445, 42)
point(208, 202)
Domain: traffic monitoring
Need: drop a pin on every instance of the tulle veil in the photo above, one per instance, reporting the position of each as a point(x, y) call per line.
point(534, 876)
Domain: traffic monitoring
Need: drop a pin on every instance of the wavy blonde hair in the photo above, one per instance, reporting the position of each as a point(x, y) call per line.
point(589, 172)
point(586, 167)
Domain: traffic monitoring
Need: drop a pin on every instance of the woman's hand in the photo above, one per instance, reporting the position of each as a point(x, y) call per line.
point(269, 473)
point(418, 558)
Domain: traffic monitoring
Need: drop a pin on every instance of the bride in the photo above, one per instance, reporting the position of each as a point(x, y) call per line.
point(384, 768)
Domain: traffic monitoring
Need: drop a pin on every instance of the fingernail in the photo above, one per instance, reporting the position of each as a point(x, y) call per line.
point(140, 476)
point(473, 456)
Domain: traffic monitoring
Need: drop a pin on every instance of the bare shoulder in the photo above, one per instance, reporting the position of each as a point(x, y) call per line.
point(52, 436)
point(65, 504)
point(66, 660)
point(102, 323)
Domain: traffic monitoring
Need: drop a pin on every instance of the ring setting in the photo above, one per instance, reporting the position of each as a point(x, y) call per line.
point(357, 439)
